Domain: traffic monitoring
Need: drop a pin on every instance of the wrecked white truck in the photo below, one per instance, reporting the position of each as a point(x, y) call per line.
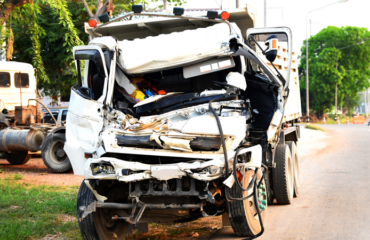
point(177, 117)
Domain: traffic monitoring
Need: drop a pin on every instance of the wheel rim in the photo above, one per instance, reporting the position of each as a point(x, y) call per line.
point(296, 171)
point(57, 154)
point(290, 176)
point(250, 207)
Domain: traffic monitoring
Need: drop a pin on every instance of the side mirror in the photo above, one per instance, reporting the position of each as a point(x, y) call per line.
point(272, 47)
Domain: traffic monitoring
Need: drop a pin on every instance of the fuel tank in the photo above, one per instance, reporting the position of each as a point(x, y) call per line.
point(21, 140)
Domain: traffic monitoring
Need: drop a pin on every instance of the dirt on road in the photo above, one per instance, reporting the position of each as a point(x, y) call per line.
point(37, 173)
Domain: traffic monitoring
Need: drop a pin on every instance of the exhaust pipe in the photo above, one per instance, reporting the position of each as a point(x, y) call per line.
point(21, 140)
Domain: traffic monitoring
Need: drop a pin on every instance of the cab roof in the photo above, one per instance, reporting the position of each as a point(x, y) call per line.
point(144, 27)
point(15, 66)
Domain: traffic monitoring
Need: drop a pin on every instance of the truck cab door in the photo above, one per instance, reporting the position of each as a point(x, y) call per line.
point(283, 61)
point(88, 100)
point(260, 40)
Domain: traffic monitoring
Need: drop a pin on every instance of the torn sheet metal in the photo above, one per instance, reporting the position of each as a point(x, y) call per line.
point(176, 144)
point(166, 172)
point(229, 182)
point(99, 197)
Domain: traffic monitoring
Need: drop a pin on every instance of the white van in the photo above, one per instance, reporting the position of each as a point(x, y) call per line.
point(17, 84)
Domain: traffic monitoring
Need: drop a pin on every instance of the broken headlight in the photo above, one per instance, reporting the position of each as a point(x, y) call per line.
point(105, 168)
point(213, 170)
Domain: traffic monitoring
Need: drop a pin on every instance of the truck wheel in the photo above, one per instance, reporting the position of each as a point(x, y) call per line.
point(269, 191)
point(283, 175)
point(53, 155)
point(96, 225)
point(243, 214)
point(294, 153)
point(17, 158)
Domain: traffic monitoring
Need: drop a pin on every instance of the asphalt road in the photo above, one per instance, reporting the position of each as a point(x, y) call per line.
point(334, 195)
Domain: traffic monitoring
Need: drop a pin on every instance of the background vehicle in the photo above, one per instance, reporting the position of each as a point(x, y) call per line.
point(60, 114)
point(53, 154)
point(22, 127)
point(162, 158)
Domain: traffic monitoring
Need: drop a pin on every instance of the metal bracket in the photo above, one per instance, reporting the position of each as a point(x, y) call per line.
point(139, 213)
point(210, 197)
point(86, 210)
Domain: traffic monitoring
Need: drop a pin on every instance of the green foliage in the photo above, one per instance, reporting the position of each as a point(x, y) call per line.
point(329, 65)
point(34, 212)
point(350, 103)
point(314, 127)
point(175, 3)
point(26, 15)
point(59, 23)
point(18, 176)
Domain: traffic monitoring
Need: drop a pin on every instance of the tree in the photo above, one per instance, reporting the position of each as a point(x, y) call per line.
point(335, 58)
point(94, 11)
point(26, 14)
point(6, 7)
point(55, 46)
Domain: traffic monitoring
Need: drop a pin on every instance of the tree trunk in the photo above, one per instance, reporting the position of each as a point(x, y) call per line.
point(164, 4)
point(9, 6)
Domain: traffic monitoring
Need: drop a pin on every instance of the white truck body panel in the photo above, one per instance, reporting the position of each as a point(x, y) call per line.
point(10, 94)
point(181, 48)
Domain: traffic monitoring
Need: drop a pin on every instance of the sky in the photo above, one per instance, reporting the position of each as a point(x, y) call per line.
point(292, 13)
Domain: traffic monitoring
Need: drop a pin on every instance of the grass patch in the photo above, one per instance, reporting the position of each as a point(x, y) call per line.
point(18, 176)
point(28, 211)
point(314, 127)
point(33, 212)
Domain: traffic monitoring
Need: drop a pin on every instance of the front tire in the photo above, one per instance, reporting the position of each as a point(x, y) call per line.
point(17, 158)
point(53, 154)
point(243, 214)
point(95, 226)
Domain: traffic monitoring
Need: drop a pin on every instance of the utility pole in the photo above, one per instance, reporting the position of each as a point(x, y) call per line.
point(366, 102)
point(237, 3)
point(265, 14)
point(368, 99)
point(336, 95)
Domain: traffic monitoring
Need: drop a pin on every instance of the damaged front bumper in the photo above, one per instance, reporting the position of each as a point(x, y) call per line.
point(134, 173)
point(203, 170)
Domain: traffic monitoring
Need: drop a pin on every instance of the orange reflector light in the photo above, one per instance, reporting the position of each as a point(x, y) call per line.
point(274, 41)
point(92, 22)
point(225, 15)
point(239, 175)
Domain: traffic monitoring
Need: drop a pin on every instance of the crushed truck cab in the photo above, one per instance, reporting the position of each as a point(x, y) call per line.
point(174, 122)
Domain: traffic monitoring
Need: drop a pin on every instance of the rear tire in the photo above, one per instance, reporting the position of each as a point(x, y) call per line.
point(243, 214)
point(294, 153)
point(53, 155)
point(94, 225)
point(17, 158)
point(283, 175)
